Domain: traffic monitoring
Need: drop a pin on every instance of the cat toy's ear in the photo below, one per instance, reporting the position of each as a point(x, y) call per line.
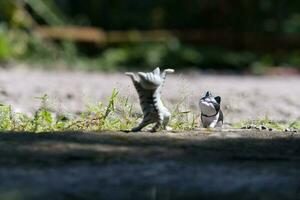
point(218, 99)
point(207, 94)
point(156, 71)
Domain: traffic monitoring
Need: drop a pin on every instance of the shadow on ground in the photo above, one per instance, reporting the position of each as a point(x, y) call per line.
point(119, 165)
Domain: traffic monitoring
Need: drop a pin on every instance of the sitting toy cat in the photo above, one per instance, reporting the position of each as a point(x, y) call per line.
point(149, 88)
point(211, 114)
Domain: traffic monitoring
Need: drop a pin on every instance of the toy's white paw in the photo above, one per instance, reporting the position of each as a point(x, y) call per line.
point(169, 70)
point(129, 74)
point(168, 128)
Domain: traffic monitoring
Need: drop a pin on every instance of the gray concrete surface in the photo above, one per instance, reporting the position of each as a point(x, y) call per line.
point(107, 165)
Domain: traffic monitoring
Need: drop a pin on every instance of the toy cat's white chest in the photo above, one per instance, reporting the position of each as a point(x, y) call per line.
point(210, 122)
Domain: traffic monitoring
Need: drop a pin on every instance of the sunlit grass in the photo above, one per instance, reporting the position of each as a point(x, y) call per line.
point(182, 117)
point(270, 124)
point(115, 115)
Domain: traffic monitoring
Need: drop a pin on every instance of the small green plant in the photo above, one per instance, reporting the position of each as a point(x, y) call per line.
point(6, 116)
point(182, 117)
point(277, 126)
point(115, 115)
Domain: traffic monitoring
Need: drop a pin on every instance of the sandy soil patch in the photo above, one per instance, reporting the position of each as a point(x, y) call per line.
point(243, 97)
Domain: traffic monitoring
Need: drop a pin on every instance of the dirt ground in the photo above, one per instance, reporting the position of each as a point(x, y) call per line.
point(195, 165)
point(117, 165)
point(243, 97)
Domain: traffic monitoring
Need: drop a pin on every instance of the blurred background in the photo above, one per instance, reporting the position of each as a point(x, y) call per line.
point(223, 36)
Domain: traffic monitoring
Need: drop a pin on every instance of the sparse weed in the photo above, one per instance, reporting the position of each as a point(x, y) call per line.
point(182, 117)
point(6, 116)
point(270, 124)
point(117, 114)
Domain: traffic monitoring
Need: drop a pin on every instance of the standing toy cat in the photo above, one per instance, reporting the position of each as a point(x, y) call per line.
point(148, 87)
point(211, 114)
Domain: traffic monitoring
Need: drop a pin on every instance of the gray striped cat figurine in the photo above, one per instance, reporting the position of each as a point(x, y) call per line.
point(148, 87)
point(211, 114)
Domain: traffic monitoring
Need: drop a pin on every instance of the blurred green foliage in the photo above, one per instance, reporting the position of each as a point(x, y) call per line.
point(243, 15)
point(19, 17)
point(13, 43)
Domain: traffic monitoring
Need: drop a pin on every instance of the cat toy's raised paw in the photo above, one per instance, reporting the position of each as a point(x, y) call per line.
point(130, 74)
point(169, 71)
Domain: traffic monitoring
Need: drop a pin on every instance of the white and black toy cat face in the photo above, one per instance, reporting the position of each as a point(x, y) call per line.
point(210, 105)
